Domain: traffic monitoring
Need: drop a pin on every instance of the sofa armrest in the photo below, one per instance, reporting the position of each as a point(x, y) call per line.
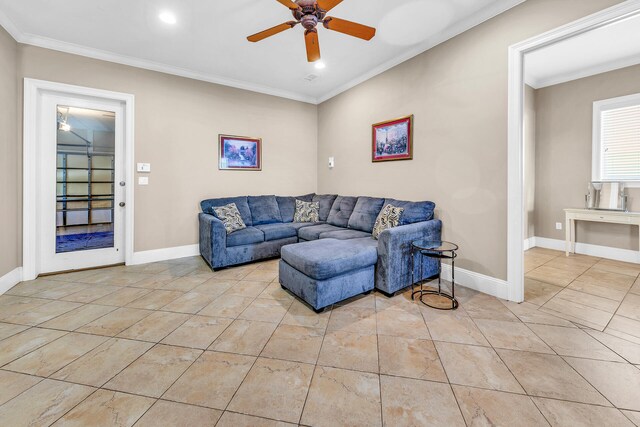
point(213, 239)
point(394, 255)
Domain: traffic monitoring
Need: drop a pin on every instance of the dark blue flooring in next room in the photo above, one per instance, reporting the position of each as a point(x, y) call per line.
point(84, 241)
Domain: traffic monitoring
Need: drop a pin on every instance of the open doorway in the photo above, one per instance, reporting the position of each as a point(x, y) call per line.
point(580, 176)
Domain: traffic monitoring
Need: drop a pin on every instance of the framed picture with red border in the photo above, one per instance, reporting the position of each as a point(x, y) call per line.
point(239, 153)
point(393, 140)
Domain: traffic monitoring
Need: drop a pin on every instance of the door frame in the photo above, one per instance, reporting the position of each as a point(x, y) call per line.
point(515, 145)
point(33, 89)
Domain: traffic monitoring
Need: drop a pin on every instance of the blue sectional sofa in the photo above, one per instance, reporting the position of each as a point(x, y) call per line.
point(270, 227)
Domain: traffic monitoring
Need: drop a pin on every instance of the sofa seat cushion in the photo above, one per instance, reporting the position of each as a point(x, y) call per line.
point(299, 225)
point(277, 231)
point(241, 203)
point(313, 232)
point(341, 211)
point(327, 258)
point(344, 234)
point(287, 205)
point(413, 211)
point(264, 210)
point(246, 236)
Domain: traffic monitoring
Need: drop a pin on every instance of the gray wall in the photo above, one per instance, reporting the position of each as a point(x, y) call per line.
point(176, 130)
point(564, 115)
point(10, 158)
point(458, 94)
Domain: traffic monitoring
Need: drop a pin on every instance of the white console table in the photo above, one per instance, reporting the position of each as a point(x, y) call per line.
point(614, 217)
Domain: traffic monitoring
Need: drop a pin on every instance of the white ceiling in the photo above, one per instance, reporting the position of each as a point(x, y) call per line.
point(597, 51)
point(209, 40)
point(87, 119)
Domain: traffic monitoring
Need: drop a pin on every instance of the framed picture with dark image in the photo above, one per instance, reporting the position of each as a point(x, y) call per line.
point(239, 153)
point(393, 140)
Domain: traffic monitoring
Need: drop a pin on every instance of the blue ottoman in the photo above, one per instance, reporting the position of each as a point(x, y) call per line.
point(326, 271)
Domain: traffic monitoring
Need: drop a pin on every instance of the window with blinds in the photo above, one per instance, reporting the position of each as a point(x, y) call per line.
point(617, 139)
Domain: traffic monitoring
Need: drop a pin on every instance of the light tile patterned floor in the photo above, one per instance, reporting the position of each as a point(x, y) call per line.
point(173, 343)
point(593, 292)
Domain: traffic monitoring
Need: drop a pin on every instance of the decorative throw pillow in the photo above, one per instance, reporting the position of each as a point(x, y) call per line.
point(230, 217)
point(388, 217)
point(307, 211)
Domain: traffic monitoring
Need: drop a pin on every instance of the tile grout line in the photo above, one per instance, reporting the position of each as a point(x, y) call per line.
point(254, 362)
point(259, 356)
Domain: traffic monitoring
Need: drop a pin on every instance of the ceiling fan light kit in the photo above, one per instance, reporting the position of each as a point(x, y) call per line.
point(309, 13)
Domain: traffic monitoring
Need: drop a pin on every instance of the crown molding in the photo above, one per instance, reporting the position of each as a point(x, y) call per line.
point(583, 72)
point(103, 55)
point(9, 26)
point(462, 26)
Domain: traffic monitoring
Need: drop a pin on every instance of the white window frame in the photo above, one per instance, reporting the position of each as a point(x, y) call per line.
point(598, 108)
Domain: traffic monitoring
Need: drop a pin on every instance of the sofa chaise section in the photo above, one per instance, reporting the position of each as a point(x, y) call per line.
point(326, 271)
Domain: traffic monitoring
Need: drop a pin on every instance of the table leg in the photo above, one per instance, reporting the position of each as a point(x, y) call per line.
point(573, 236)
point(412, 273)
point(453, 281)
point(439, 275)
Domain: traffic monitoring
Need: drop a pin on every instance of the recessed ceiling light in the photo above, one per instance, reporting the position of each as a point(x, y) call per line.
point(320, 65)
point(168, 17)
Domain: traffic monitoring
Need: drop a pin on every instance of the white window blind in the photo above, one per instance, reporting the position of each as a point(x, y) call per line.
point(619, 142)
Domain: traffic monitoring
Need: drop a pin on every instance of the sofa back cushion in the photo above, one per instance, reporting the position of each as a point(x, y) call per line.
point(264, 209)
point(341, 211)
point(326, 202)
point(365, 213)
point(413, 211)
point(287, 205)
point(240, 202)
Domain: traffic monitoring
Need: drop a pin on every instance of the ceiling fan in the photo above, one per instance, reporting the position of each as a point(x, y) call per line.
point(309, 13)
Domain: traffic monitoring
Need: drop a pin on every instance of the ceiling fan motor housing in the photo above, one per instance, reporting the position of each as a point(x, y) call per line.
point(308, 13)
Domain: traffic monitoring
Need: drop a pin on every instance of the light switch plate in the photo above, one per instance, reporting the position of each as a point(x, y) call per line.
point(332, 163)
point(144, 167)
point(558, 226)
point(143, 180)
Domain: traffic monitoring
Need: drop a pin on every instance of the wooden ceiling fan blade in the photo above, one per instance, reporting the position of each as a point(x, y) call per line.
point(313, 46)
point(288, 3)
point(271, 31)
point(351, 28)
point(327, 5)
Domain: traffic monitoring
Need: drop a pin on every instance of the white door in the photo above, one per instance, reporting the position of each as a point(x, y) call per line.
point(81, 187)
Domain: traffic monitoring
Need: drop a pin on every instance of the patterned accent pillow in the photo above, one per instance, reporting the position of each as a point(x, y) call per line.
point(230, 217)
point(388, 217)
point(307, 211)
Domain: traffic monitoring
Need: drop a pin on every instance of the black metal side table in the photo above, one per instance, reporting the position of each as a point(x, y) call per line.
point(439, 250)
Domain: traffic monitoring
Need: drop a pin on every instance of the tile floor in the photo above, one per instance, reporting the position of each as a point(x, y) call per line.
point(173, 343)
point(601, 294)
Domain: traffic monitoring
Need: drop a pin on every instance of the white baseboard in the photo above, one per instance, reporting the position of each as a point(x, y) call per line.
point(10, 279)
point(529, 243)
point(165, 254)
point(617, 254)
point(478, 282)
point(469, 279)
